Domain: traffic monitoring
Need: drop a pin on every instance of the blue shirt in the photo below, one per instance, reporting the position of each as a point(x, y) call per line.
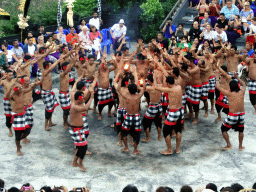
point(233, 11)
point(167, 31)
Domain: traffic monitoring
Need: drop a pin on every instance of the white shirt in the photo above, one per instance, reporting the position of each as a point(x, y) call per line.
point(209, 35)
point(84, 38)
point(117, 31)
point(253, 27)
point(223, 36)
point(9, 55)
point(31, 49)
point(95, 22)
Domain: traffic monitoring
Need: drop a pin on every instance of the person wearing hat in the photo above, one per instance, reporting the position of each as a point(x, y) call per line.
point(118, 32)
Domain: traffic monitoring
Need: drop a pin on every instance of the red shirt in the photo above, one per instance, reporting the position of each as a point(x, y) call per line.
point(213, 11)
point(70, 37)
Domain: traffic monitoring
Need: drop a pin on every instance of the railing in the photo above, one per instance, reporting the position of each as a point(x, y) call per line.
point(172, 12)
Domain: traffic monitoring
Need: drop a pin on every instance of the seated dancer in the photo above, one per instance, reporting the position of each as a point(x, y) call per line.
point(236, 115)
point(77, 130)
point(222, 100)
point(6, 82)
point(195, 89)
point(47, 94)
point(20, 126)
point(175, 116)
point(154, 112)
point(28, 105)
point(132, 122)
point(252, 83)
point(64, 96)
point(105, 95)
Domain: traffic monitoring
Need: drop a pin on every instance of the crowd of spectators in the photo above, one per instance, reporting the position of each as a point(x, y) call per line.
point(210, 187)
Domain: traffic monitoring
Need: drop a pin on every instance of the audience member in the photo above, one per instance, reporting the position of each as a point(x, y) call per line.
point(222, 21)
point(220, 35)
point(169, 29)
point(118, 31)
point(30, 34)
point(61, 36)
point(180, 32)
point(82, 24)
point(30, 48)
point(17, 51)
point(95, 21)
point(194, 31)
point(160, 39)
point(85, 39)
point(229, 9)
point(246, 15)
point(202, 7)
point(208, 33)
point(72, 37)
point(205, 21)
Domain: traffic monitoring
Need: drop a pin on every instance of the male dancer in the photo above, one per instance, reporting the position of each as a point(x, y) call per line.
point(77, 129)
point(132, 122)
point(236, 115)
point(64, 96)
point(6, 82)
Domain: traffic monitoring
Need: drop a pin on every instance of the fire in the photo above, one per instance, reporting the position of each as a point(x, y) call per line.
point(126, 66)
point(141, 82)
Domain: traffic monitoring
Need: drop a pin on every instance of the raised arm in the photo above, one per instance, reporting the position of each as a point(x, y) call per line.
point(53, 66)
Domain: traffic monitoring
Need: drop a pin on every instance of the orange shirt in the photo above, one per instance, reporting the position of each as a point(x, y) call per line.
point(70, 37)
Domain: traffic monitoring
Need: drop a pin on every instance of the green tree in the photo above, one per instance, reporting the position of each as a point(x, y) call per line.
point(152, 16)
point(84, 8)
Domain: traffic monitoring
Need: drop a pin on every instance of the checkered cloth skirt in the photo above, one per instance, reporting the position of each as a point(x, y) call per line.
point(64, 99)
point(105, 96)
point(71, 77)
point(7, 107)
point(222, 101)
point(184, 99)
point(205, 90)
point(86, 127)
point(193, 94)
point(132, 121)
point(212, 84)
point(234, 119)
point(78, 135)
point(29, 115)
point(39, 74)
point(164, 99)
point(174, 115)
point(49, 100)
point(120, 113)
point(19, 122)
point(252, 86)
point(153, 110)
point(89, 82)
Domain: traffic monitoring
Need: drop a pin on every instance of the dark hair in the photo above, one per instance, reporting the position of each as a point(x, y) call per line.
point(46, 63)
point(170, 80)
point(49, 36)
point(150, 78)
point(186, 37)
point(46, 189)
point(13, 189)
point(31, 32)
point(118, 53)
point(132, 88)
point(234, 88)
point(228, 189)
point(254, 186)
point(184, 66)
point(64, 64)
point(236, 187)
point(61, 48)
point(168, 189)
point(161, 33)
point(123, 81)
point(92, 27)
point(27, 57)
point(77, 94)
point(29, 38)
point(41, 49)
point(26, 185)
point(161, 189)
point(156, 50)
point(180, 24)
point(1, 183)
point(141, 57)
point(234, 46)
point(186, 188)
point(80, 85)
point(82, 20)
point(8, 71)
point(169, 19)
point(72, 27)
point(130, 188)
point(125, 48)
point(224, 68)
point(15, 40)
point(212, 186)
point(90, 57)
point(176, 71)
point(222, 14)
point(219, 26)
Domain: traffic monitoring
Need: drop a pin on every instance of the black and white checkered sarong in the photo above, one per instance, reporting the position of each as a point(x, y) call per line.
point(39, 74)
point(120, 113)
point(234, 121)
point(19, 122)
point(86, 127)
point(105, 95)
point(193, 94)
point(78, 135)
point(174, 115)
point(205, 90)
point(222, 101)
point(132, 121)
point(49, 100)
point(212, 84)
point(252, 86)
point(153, 110)
point(64, 99)
point(7, 108)
point(29, 115)
point(184, 99)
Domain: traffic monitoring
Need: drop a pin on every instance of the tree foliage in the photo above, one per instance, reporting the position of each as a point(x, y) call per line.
point(84, 8)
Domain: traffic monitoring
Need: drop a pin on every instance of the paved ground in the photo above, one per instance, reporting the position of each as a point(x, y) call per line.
point(47, 159)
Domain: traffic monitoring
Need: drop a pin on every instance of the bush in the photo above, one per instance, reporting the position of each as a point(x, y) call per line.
point(84, 8)
point(8, 27)
point(152, 17)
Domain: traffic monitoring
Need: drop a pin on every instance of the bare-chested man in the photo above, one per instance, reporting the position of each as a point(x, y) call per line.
point(47, 94)
point(132, 121)
point(24, 69)
point(6, 81)
point(232, 59)
point(105, 95)
point(80, 65)
point(77, 129)
point(195, 89)
point(175, 116)
point(154, 111)
point(222, 100)
point(236, 115)
point(252, 83)
point(64, 96)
